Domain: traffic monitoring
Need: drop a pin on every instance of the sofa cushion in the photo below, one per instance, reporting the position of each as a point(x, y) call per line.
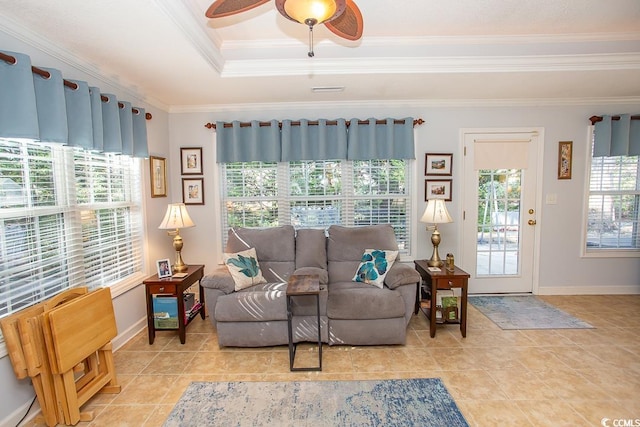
point(345, 246)
point(275, 249)
point(401, 274)
point(259, 303)
point(244, 268)
point(355, 300)
point(311, 248)
point(374, 266)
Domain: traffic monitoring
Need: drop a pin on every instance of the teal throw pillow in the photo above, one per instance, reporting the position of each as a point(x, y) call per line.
point(374, 266)
point(244, 268)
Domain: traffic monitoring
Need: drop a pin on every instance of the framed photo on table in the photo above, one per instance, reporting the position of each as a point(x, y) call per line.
point(565, 153)
point(164, 268)
point(191, 160)
point(158, 174)
point(438, 164)
point(193, 191)
point(437, 189)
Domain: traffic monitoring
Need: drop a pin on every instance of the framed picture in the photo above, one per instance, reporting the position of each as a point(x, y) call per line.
point(191, 161)
point(158, 176)
point(565, 153)
point(438, 164)
point(164, 268)
point(437, 189)
point(193, 191)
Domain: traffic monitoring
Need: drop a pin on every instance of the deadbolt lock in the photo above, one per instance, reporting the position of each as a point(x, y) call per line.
point(531, 211)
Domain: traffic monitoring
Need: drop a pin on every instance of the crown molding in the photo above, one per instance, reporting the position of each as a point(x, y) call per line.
point(407, 65)
point(403, 103)
point(378, 42)
point(204, 40)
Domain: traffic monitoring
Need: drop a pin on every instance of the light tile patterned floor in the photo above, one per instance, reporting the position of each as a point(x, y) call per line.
point(571, 377)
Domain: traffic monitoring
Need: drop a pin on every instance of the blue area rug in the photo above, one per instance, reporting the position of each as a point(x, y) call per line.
point(525, 312)
point(389, 403)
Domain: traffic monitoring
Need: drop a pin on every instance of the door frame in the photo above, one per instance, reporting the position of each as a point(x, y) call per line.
point(538, 196)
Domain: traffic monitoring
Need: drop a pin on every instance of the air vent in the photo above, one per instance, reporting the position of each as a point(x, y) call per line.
point(325, 89)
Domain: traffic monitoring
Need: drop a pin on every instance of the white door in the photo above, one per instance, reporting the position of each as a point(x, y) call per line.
point(500, 209)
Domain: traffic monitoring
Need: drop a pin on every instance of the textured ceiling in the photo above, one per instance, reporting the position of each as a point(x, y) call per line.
point(169, 53)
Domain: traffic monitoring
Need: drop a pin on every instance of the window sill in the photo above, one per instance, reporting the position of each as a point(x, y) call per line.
point(611, 253)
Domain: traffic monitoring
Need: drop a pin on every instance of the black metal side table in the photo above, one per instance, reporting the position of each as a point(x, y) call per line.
point(298, 286)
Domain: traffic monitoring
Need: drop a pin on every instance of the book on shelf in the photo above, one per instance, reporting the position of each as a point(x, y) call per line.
point(165, 311)
point(190, 314)
point(449, 301)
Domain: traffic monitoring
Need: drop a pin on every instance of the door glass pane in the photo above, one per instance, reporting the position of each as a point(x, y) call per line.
point(498, 243)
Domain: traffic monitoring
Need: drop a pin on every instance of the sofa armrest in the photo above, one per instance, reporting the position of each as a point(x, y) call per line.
point(401, 274)
point(220, 279)
point(324, 274)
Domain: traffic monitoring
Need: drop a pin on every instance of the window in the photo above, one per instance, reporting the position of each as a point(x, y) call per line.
point(318, 194)
point(614, 204)
point(67, 218)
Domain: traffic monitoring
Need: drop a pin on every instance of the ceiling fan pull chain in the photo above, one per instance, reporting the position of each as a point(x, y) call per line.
point(310, 22)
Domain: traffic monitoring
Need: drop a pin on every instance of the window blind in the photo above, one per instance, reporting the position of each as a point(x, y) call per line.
point(318, 194)
point(68, 218)
point(613, 214)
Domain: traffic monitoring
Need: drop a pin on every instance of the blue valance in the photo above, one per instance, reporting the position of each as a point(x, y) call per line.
point(372, 140)
point(38, 104)
point(256, 142)
point(318, 140)
point(617, 137)
point(314, 142)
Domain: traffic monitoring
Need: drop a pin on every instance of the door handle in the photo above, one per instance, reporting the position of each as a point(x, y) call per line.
point(531, 222)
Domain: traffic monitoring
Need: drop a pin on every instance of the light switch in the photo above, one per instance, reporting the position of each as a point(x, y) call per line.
point(551, 199)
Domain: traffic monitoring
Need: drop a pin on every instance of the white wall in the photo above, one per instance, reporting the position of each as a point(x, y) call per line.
point(562, 269)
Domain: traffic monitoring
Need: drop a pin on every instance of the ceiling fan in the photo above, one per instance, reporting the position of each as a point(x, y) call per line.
point(341, 17)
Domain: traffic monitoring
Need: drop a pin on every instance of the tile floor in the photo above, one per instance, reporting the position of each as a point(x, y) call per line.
point(498, 378)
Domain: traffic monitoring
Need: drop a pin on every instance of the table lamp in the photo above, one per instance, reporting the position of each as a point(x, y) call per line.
point(176, 218)
point(435, 213)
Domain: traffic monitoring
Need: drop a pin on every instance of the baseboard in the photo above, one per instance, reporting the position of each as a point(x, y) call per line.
point(131, 332)
point(15, 417)
point(589, 290)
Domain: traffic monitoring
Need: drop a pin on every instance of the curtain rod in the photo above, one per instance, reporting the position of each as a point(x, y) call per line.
point(596, 119)
point(416, 122)
point(45, 74)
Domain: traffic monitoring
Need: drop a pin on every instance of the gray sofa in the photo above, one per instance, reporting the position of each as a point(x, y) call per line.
point(352, 313)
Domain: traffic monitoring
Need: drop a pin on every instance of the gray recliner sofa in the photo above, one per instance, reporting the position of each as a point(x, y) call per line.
point(352, 313)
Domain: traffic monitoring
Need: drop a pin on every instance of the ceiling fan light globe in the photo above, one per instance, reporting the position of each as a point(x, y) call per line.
point(303, 11)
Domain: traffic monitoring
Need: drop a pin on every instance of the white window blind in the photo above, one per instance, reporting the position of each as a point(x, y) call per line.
point(318, 194)
point(67, 218)
point(613, 204)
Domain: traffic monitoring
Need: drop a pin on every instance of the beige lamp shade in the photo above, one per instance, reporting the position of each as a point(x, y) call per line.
point(436, 212)
point(176, 217)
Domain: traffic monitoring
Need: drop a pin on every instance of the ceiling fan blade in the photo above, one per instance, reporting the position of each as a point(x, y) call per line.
point(349, 25)
point(220, 8)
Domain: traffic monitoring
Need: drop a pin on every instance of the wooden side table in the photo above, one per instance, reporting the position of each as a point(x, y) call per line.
point(297, 286)
point(174, 288)
point(441, 280)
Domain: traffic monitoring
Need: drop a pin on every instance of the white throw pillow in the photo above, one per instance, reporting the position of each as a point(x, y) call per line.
point(244, 268)
point(374, 266)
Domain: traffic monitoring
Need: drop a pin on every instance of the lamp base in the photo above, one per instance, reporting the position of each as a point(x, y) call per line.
point(435, 260)
point(179, 266)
